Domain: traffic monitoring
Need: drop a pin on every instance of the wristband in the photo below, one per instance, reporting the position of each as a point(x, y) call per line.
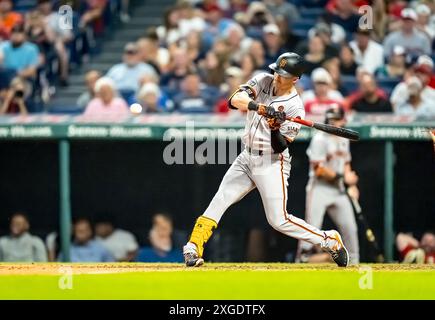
point(252, 105)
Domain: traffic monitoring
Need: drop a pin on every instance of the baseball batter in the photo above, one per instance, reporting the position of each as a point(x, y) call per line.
point(265, 162)
point(330, 173)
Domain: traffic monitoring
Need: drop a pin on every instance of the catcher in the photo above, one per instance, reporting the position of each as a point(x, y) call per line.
point(265, 162)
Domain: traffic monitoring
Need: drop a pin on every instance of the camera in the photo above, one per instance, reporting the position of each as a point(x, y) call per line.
point(19, 94)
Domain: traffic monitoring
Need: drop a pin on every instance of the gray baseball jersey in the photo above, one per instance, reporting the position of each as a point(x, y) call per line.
point(257, 131)
point(334, 153)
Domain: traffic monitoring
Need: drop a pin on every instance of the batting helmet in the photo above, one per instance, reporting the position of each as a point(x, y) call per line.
point(335, 112)
point(289, 64)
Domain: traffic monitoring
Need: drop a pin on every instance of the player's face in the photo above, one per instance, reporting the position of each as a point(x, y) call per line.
point(282, 82)
point(19, 225)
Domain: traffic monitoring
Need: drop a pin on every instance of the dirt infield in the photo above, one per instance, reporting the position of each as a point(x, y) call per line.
point(116, 268)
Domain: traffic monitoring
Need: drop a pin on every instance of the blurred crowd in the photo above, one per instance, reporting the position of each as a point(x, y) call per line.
point(41, 41)
point(380, 62)
point(97, 241)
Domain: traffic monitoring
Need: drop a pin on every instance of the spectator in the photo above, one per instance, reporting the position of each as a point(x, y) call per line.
point(233, 79)
point(152, 54)
point(192, 98)
point(256, 17)
point(190, 18)
point(413, 251)
point(316, 54)
point(84, 247)
point(20, 245)
point(248, 66)
point(331, 33)
point(150, 98)
point(160, 249)
point(59, 37)
point(93, 15)
point(14, 98)
point(91, 79)
point(257, 51)
point(289, 39)
point(120, 243)
point(370, 100)
point(320, 99)
point(283, 8)
point(179, 67)
point(169, 33)
point(413, 40)
point(238, 43)
point(127, 74)
point(345, 14)
point(333, 67)
point(272, 42)
point(216, 24)
point(396, 66)
point(423, 70)
point(212, 69)
point(106, 103)
point(348, 65)
point(20, 55)
point(8, 18)
point(368, 53)
point(192, 43)
point(415, 105)
point(424, 23)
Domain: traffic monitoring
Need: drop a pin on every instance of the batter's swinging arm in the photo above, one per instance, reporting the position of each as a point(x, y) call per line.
point(337, 131)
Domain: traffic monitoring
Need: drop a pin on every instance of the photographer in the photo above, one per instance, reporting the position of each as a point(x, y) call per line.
point(14, 97)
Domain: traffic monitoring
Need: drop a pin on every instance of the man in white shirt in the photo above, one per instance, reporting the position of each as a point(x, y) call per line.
point(121, 243)
point(368, 53)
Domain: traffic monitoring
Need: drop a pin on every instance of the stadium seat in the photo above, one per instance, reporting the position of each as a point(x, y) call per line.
point(311, 13)
point(73, 109)
point(350, 83)
point(387, 84)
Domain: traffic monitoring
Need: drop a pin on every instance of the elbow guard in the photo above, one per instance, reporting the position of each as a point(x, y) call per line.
point(245, 88)
point(278, 141)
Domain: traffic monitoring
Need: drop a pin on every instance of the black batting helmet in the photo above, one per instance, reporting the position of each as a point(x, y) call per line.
point(289, 64)
point(334, 112)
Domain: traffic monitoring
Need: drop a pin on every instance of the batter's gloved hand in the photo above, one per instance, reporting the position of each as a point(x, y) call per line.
point(277, 120)
point(261, 109)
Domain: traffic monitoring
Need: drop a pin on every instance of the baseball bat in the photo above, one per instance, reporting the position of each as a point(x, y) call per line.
point(337, 131)
point(370, 236)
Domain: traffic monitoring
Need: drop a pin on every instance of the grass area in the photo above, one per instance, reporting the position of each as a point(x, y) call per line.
point(215, 281)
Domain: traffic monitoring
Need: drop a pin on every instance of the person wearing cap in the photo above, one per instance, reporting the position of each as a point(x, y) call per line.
point(368, 53)
point(396, 66)
point(216, 23)
point(19, 55)
point(318, 100)
point(8, 18)
point(415, 105)
point(424, 22)
point(423, 69)
point(370, 100)
point(331, 33)
point(413, 40)
point(273, 43)
point(127, 74)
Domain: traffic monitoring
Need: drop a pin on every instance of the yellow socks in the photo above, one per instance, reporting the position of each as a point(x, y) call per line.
point(202, 231)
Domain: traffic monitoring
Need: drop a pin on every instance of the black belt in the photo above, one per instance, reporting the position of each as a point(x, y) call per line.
point(255, 152)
